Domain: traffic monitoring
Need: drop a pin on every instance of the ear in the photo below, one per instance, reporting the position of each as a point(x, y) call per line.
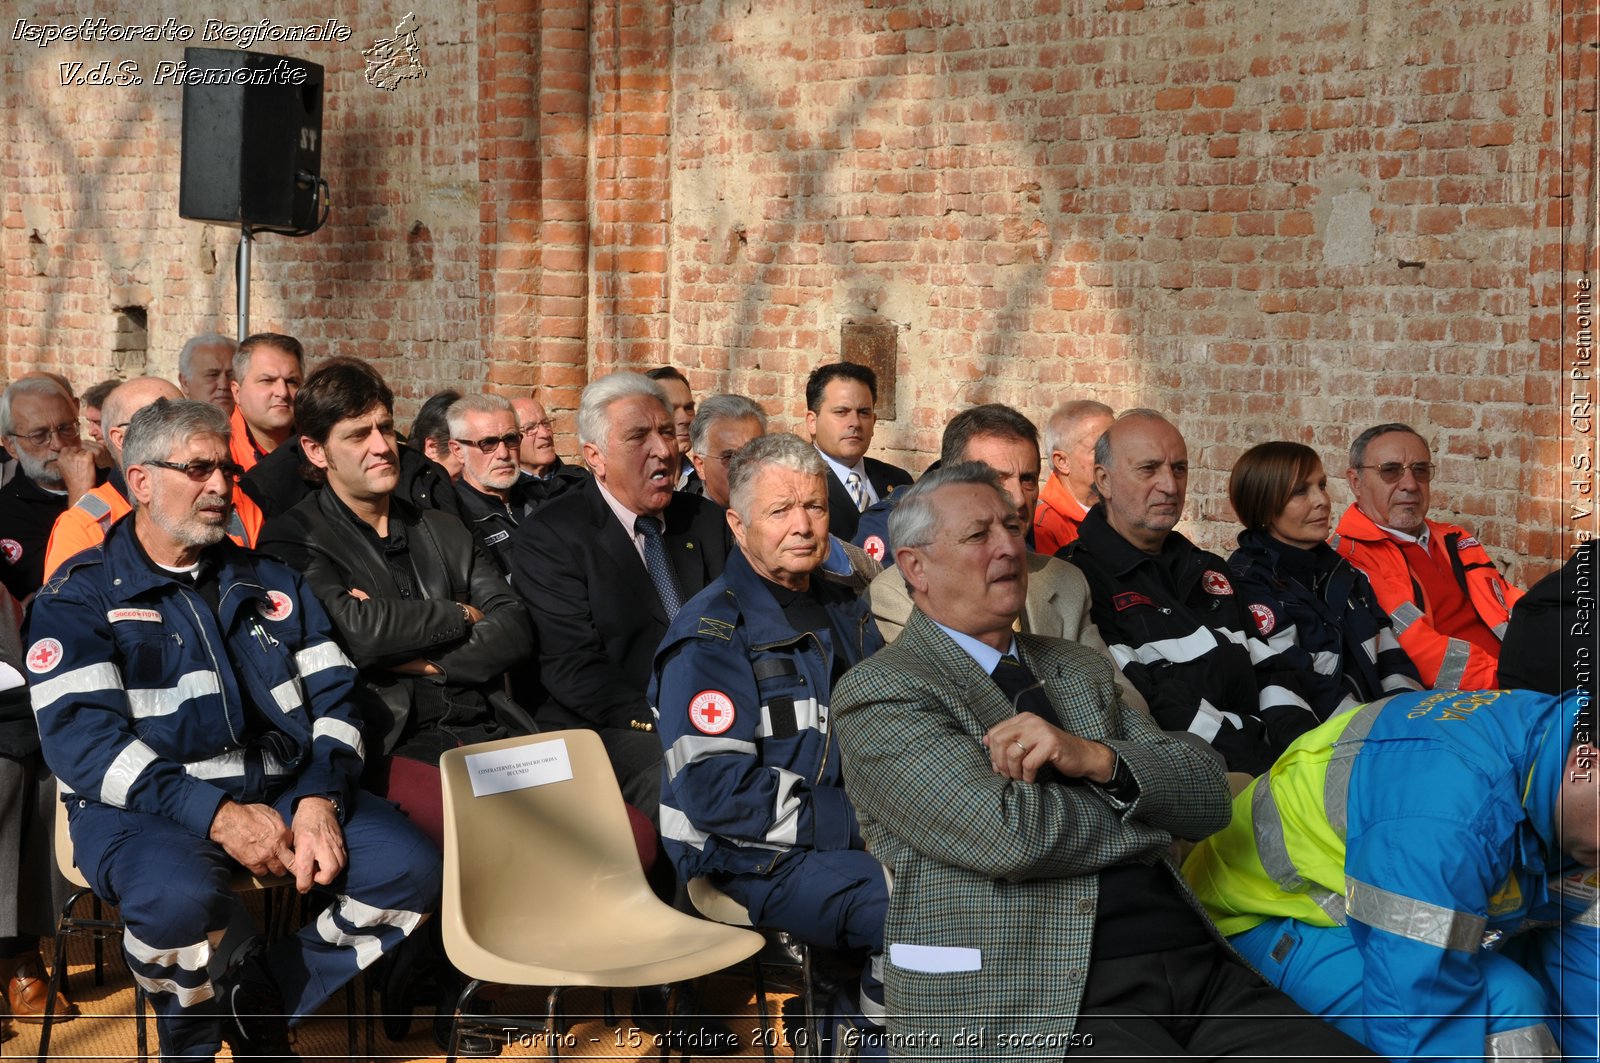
point(460, 452)
point(811, 423)
point(699, 464)
point(912, 568)
point(1059, 463)
point(314, 451)
point(137, 477)
point(114, 436)
point(1352, 477)
point(233, 385)
point(1102, 481)
point(595, 459)
point(736, 525)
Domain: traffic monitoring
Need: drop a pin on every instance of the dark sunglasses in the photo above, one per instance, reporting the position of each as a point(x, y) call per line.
point(1391, 471)
point(488, 444)
point(200, 471)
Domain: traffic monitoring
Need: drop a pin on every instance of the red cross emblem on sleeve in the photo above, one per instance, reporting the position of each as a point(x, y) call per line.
point(44, 655)
point(711, 712)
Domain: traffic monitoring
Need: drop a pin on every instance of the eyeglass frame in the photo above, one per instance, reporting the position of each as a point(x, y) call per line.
point(232, 468)
point(66, 432)
point(511, 441)
point(1421, 471)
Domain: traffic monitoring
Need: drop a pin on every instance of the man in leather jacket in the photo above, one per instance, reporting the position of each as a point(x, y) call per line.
point(422, 609)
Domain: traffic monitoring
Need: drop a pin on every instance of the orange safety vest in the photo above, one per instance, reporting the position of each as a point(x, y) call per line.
point(1445, 662)
point(1056, 518)
point(241, 444)
point(85, 523)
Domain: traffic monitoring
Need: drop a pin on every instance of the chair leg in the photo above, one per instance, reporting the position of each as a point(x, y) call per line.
point(99, 947)
point(462, 1001)
point(141, 1033)
point(554, 1028)
point(65, 925)
point(769, 1033)
point(808, 994)
point(352, 1048)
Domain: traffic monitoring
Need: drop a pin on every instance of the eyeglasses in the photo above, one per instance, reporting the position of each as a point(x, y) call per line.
point(64, 432)
point(534, 426)
point(200, 471)
point(1391, 471)
point(488, 444)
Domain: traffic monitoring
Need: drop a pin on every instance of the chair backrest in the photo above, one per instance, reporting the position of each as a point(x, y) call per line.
point(69, 870)
point(522, 855)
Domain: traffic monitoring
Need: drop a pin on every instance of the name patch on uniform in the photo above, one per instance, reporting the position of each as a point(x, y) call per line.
point(116, 616)
point(873, 546)
point(11, 550)
point(711, 712)
point(1215, 582)
point(497, 537)
point(1264, 619)
point(278, 606)
point(1129, 599)
point(1466, 541)
point(44, 655)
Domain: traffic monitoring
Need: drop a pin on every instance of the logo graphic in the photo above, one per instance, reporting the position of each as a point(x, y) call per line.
point(393, 60)
point(278, 606)
point(44, 655)
point(1265, 621)
point(873, 545)
point(11, 550)
point(1215, 582)
point(711, 712)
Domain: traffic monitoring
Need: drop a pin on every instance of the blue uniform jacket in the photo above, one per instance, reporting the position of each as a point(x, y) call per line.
point(146, 699)
point(1452, 847)
point(741, 703)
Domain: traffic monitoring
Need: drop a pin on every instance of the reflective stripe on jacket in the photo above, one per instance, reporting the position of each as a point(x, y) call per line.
point(1444, 662)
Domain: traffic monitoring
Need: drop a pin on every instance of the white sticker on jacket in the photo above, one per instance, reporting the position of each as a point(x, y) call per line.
point(116, 616)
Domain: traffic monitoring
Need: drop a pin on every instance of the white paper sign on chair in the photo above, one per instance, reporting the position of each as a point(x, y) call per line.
point(519, 767)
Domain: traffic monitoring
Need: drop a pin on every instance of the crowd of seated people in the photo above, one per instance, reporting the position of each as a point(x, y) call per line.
point(690, 591)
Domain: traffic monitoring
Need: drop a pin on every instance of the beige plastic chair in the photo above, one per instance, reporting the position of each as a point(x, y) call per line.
point(542, 886)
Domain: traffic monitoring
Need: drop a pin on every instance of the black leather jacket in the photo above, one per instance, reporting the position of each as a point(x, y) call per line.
point(418, 716)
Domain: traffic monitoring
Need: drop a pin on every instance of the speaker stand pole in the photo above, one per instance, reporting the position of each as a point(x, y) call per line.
point(243, 282)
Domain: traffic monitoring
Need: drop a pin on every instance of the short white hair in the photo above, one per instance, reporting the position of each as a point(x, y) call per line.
point(594, 426)
point(205, 339)
point(456, 415)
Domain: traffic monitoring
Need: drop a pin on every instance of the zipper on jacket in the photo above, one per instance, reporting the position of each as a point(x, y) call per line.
point(222, 688)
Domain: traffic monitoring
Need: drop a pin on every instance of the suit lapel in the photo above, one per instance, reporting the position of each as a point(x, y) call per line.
point(1071, 696)
point(979, 694)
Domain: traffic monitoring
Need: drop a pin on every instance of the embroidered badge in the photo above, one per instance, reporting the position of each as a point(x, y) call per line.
point(717, 629)
point(44, 655)
point(1215, 582)
point(711, 711)
point(1265, 621)
point(11, 550)
point(873, 545)
point(1129, 599)
point(1466, 541)
point(278, 606)
point(116, 616)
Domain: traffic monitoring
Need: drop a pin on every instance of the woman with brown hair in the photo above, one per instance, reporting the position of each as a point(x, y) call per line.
point(1304, 596)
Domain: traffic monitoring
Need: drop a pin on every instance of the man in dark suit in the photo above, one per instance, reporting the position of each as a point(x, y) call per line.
point(1037, 908)
point(605, 567)
point(840, 415)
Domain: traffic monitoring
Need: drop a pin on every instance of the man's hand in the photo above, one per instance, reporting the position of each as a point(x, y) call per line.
point(473, 614)
point(79, 467)
point(1020, 746)
point(417, 667)
point(318, 843)
point(255, 836)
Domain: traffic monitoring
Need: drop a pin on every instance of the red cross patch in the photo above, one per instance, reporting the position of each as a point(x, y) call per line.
point(44, 655)
point(278, 607)
point(873, 545)
point(711, 712)
point(1264, 619)
point(1215, 582)
point(11, 550)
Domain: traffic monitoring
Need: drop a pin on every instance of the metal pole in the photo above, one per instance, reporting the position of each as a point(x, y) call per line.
point(243, 282)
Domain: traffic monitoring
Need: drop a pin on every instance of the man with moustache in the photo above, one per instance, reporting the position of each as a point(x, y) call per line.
point(541, 466)
point(1447, 601)
point(267, 371)
point(205, 370)
point(495, 497)
point(86, 521)
point(192, 700)
point(39, 425)
point(1169, 611)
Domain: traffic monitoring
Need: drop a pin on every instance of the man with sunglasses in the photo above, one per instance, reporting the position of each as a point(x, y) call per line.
point(193, 702)
point(1447, 601)
point(39, 425)
point(494, 494)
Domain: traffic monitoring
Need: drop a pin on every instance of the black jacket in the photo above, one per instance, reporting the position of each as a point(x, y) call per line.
point(1552, 641)
point(597, 615)
point(418, 716)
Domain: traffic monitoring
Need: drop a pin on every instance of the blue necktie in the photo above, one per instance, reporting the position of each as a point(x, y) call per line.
point(660, 569)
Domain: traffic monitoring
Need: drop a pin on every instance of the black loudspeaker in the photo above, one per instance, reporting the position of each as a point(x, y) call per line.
point(252, 139)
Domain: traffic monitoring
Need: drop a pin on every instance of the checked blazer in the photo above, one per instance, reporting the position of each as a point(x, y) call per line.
point(981, 862)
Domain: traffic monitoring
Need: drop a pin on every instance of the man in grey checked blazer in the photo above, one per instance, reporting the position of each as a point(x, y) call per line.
point(1025, 819)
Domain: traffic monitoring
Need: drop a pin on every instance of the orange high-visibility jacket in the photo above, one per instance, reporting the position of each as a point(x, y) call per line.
point(85, 523)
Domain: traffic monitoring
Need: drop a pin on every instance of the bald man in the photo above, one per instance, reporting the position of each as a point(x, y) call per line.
point(85, 523)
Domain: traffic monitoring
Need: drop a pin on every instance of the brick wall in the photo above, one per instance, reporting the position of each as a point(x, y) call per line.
point(1271, 221)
